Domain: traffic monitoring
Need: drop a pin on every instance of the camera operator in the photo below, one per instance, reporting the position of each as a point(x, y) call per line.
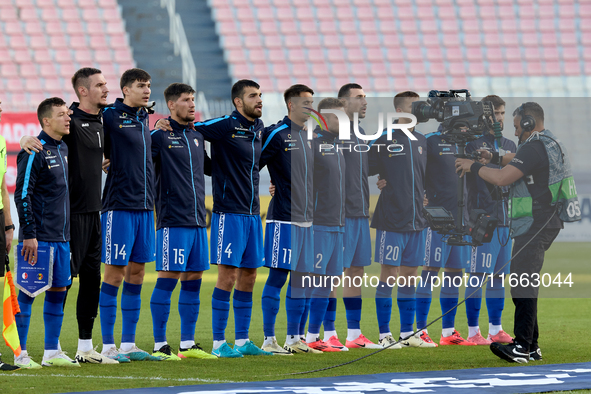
point(539, 167)
point(491, 257)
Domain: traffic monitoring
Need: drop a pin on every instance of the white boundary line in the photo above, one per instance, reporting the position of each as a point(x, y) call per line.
point(159, 378)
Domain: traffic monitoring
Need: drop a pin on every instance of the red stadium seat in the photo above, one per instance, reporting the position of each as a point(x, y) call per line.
point(288, 27)
point(492, 39)
point(33, 28)
point(414, 54)
point(110, 14)
point(513, 54)
point(70, 14)
point(572, 68)
point(331, 41)
point(552, 68)
point(474, 54)
point(382, 84)
point(567, 25)
point(335, 55)
point(63, 56)
point(526, 25)
point(451, 40)
point(116, 27)
point(358, 70)
point(567, 39)
point(378, 70)
point(405, 13)
point(42, 56)
point(38, 42)
point(421, 84)
point(447, 13)
point(102, 55)
point(494, 54)
point(74, 28)
point(319, 70)
point(273, 42)
point(98, 41)
point(28, 70)
point(546, 25)
point(280, 70)
point(231, 42)
point(496, 69)
point(545, 11)
point(408, 26)
point(570, 53)
point(487, 12)
point(95, 28)
point(394, 54)
point(354, 55)
point(550, 54)
point(328, 27)
point(8, 14)
point(9, 70)
point(18, 41)
point(21, 56)
point(441, 83)
point(282, 84)
point(52, 84)
point(78, 42)
point(374, 54)
point(339, 69)
point(515, 69)
point(323, 84)
point(367, 27)
point(529, 40)
point(534, 68)
point(476, 69)
point(33, 85)
point(365, 13)
point(549, 39)
point(47, 70)
point(532, 54)
point(417, 69)
point(315, 55)
point(67, 70)
point(351, 40)
point(325, 14)
point(454, 54)
point(235, 56)
point(240, 71)
point(83, 56)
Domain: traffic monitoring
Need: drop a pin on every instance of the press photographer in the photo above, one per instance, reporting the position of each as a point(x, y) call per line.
point(542, 196)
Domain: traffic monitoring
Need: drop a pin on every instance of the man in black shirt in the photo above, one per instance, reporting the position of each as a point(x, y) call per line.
point(531, 168)
point(85, 143)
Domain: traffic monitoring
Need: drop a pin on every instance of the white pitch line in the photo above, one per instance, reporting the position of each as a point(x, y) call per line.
point(160, 378)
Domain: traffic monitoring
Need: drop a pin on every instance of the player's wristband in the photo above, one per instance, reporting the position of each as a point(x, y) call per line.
point(474, 168)
point(496, 158)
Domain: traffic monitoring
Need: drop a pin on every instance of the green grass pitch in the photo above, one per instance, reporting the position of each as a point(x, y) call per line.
point(564, 326)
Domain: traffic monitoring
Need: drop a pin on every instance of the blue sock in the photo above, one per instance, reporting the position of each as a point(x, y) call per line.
point(305, 316)
point(189, 308)
point(242, 304)
point(318, 306)
point(449, 298)
point(220, 309)
point(473, 299)
point(495, 300)
point(331, 315)
point(384, 306)
point(53, 317)
point(272, 299)
point(108, 310)
point(424, 296)
point(23, 319)
point(131, 304)
point(353, 312)
point(407, 307)
point(160, 306)
point(294, 308)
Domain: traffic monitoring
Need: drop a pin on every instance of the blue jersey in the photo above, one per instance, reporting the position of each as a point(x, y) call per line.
point(290, 159)
point(479, 191)
point(356, 178)
point(235, 153)
point(329, 184)
point(180, 162)
point(130, 181)
point(402, 163)
point(42, 197)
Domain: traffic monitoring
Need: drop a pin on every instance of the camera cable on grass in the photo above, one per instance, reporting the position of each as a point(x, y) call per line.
point(430, 323)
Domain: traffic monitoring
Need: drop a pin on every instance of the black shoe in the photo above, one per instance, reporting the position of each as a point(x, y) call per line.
point(512, 352)
point(7, 367)
point(535, 355)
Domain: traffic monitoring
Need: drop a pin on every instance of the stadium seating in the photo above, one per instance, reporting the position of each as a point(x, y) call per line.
point(43, 42)
point(416, 40)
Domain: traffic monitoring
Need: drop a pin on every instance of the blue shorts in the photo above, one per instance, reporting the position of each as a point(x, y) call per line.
point(328, 252)
point(61, 262)
point(440, 254)
point(357, 242)
point(237, 240)
point(491, 256)
point(404, 248)
point(128, 236)
point(182, 249)
point(289, 247)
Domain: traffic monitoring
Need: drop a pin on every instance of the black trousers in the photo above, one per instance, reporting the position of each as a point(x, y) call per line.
point(85, 245)
point(528, 262)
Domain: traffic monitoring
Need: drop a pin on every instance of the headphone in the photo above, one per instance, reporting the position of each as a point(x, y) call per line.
point(527, 123)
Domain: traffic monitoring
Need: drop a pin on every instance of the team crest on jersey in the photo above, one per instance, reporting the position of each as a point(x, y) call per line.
point(289, 136)
point(310, 144)
point(48, 152)
point(196, 142)
point(171, 134)
point(420, 150)
point(484, 144)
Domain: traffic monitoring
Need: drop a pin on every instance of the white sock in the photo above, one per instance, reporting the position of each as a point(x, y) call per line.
point(312, 337)
point(292, 339)
point(49, 353)
point(384, 335)
point(405, 334)
point(59, 345)
point(493, 329)
point(269, 340)
point(84, 345)
point(473, 331)
point(107, 346)
point(241, 342)
point(328, 334)
point(187, 344)
point(157, 345)
point(217, 344)
point(446, 332)
point(127, 346)
point(353, 334)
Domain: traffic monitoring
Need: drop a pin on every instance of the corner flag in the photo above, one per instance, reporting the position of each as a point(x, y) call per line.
point(9, 309)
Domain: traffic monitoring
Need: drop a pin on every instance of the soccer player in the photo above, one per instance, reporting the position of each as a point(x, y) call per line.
point(539, 171)
point(329, 220)
point(357, 241)
point(289, 234)
point(7, 235)
point(236, 228)
point(85, 143)
point(180, 163)
point(441, 186)
point(398, 219)
point(491, 257)
point(127, 220)
point(43, 204)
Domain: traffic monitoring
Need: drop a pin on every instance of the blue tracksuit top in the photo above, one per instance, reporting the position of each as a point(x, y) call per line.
point(235, 153)
point(130, 180)
point(290, 159)
point(180, 162)
point(329, 184)
point(42, 197)
point(479, 191)
point(402, 163)
point(356, 178)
